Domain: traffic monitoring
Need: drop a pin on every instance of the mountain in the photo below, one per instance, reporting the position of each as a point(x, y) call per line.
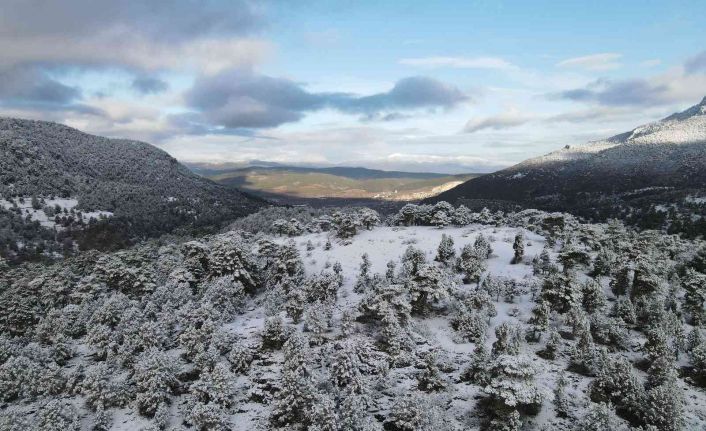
point(143, 190)
point(661, 162)
point(291, 184)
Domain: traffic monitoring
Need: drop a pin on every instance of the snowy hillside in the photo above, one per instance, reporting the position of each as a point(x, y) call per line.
point(492, 321)
point(608, 178)
point(148, 192)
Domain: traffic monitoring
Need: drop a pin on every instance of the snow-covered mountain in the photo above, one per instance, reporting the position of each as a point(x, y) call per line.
point(147, 191)
point(665, 155)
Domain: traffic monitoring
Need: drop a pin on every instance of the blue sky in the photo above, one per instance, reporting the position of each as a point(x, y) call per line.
point(447, 86)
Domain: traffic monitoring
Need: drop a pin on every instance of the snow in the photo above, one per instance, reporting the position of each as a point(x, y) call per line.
point(39, 214)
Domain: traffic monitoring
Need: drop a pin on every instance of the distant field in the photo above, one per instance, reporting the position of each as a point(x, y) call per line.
point(315, 184)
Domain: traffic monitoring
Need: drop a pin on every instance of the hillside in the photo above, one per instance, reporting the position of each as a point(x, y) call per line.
point(282, 182)
point(142, 189)
point(656, 164)
point(515, 321)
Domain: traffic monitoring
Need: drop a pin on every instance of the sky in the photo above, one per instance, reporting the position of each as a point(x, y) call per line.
point(446, 86)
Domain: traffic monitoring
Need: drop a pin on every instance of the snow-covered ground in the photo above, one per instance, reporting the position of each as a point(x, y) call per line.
point(25, 205)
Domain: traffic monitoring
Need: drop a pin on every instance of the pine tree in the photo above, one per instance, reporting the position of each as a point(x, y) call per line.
point(617, 383)
point(694, 285)
point(293, 401)
point(430, 379)
point(663, 407)
point(323, 414)
point(478, 370)
point(440, 219)
point(508, 340)
point(240, 358)
point(445, 252)
point(363, 281)
point(593, 297)
point(471, 264)
point(621, 284)
point(58, 415)
point(214, 386)
point(483, 246)
point(538, 321)
point(412, 259)
point(155, 378)
point(561, 403)
point(512, 383)
point(519, 247)
point(428, 286)
point(600, 417)
point(345, 368)
point(625, 310)
point(390, 272)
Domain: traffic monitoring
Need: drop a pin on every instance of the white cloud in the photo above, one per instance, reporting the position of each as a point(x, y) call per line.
point(505, 120)
point(125, 49)
point(594, 62)
point(459, 62)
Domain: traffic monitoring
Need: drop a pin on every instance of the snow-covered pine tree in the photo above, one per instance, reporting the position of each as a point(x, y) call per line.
point(593, 297)
point(519, 248)
point(561, 402)
point(362, 283)
point(445, 252)
point(508, 340)
point(430, 379)
point(694, 285)
point(427, 286)
point(292, 404)
point(155, 378)
point(600, 417)
point(471, 263)
point(482, 244)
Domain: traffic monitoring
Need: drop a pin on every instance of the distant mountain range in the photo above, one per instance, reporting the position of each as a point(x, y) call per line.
point(147, 191)
point(291, 183)
point(661, 162)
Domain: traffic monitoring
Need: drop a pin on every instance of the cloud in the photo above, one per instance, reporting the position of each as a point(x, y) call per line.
point(33, 86)
point(242, 99)
point(172, 20)
point(459, 62)
point(408, 93)
point(696, 63)
point(149, 85)
point(674, 86)
point(208, 36)
point(505, 120)
point(123, 49)
point(595, 62)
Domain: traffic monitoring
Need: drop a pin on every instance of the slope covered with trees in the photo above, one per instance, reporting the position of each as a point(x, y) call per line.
point(147, 191)
point(438, 318)
point(648, 177)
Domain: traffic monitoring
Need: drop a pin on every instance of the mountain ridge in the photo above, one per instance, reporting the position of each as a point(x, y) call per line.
point(587, 179)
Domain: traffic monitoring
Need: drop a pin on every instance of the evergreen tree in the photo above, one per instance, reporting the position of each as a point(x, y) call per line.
point(445, 252)
point(694, 285)
point(293, 401)
point(471, 264)
point(621, 284)
point(508, 340)
point(483, 246)
point(593, 297)
point(561, 403)
point(519, 248)
point(430, 379)
point(363, 281)
point(155, 378)
point(600, 417)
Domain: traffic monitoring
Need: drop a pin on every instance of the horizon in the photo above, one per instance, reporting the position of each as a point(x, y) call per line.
point(449, 88)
